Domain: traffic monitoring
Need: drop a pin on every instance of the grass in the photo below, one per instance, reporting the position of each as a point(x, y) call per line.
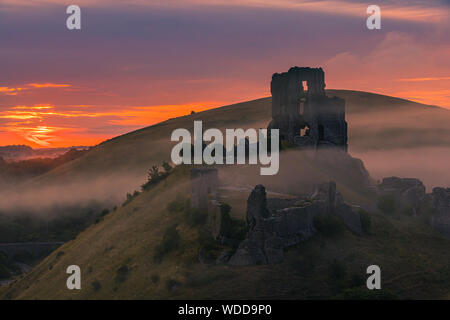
point(119, 252)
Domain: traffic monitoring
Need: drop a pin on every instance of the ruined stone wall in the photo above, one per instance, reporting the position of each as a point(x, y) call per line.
point(441, 210)
point(328, 113)
point(270, 231)
point(287, 89)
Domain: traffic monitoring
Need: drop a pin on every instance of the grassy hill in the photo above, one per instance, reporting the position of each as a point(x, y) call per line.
point(117, 254)
point(117, 259)
point(376, 122)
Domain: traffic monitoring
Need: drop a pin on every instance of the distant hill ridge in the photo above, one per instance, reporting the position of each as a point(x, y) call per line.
point(23, 152)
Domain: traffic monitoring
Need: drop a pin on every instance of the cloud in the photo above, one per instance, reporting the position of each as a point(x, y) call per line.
point(10, 91)
point(48, 85)
point(424, 79)
point(434, 11)
point(398, 65)
point(50, 125)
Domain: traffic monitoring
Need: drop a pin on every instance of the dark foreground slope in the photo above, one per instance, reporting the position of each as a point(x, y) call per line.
point(121, 258)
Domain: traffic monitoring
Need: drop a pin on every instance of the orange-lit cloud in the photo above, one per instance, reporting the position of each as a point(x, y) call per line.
point(424, 79)
point(13, 91)
point(42, 136)
point(48, 85)
point(34, 112)
point(10, 91)
point(36, 107)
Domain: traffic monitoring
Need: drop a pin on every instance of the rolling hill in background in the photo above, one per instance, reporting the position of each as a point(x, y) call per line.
point(117, 254)
point(391, 136)
point(23, 152)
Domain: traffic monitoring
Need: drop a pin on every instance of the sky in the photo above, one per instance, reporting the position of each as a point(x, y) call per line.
point(135, 63)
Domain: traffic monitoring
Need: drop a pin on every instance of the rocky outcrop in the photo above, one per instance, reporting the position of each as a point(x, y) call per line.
point(252, 251)
point(214, 218)
point(441, 210)
point(268, 236)
point(335, 205)
point(269, 232)
point(257, 207)
point(410, 192)
point(400, 185)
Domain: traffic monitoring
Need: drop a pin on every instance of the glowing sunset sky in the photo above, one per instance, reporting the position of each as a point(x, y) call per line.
point(142, 62)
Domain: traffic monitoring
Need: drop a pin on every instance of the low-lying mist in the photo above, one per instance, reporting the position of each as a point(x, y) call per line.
point(403, 142)
point(429, 164)
point(106, 191)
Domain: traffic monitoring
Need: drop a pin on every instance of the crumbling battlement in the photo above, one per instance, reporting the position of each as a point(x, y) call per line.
point(302, 111)
point(272, 230)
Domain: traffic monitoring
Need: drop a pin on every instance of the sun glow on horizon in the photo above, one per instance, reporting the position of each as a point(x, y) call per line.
point(42, 126)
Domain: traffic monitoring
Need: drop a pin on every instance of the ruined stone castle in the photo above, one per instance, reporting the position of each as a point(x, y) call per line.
point(308, 118)
point(303, 113)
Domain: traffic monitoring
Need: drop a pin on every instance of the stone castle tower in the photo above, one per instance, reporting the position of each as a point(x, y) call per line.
point(303, 112)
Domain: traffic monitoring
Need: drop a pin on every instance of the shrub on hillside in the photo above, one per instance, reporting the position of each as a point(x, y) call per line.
point(155, 278)
point(122, 273)
point(154, 175)
point(365, 220)
point(329, 225)
point(7, 267)
point(231, 228)
point(130, 198)
point(338, 270)
point(178, 205)
point(172, 284)
point(387, 203)
point(171, 240)
point(167, 167)
point(104, 212)
point(195, 217)
point(209, 248)
point(96, 285)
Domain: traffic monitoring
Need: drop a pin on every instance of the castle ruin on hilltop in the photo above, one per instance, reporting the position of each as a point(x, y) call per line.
point(303, 113)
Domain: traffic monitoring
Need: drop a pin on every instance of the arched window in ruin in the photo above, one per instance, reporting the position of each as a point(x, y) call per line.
point(321, 132)
point(302, 106)
point(304, 91)
point(305, 85)
point(304, 131)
